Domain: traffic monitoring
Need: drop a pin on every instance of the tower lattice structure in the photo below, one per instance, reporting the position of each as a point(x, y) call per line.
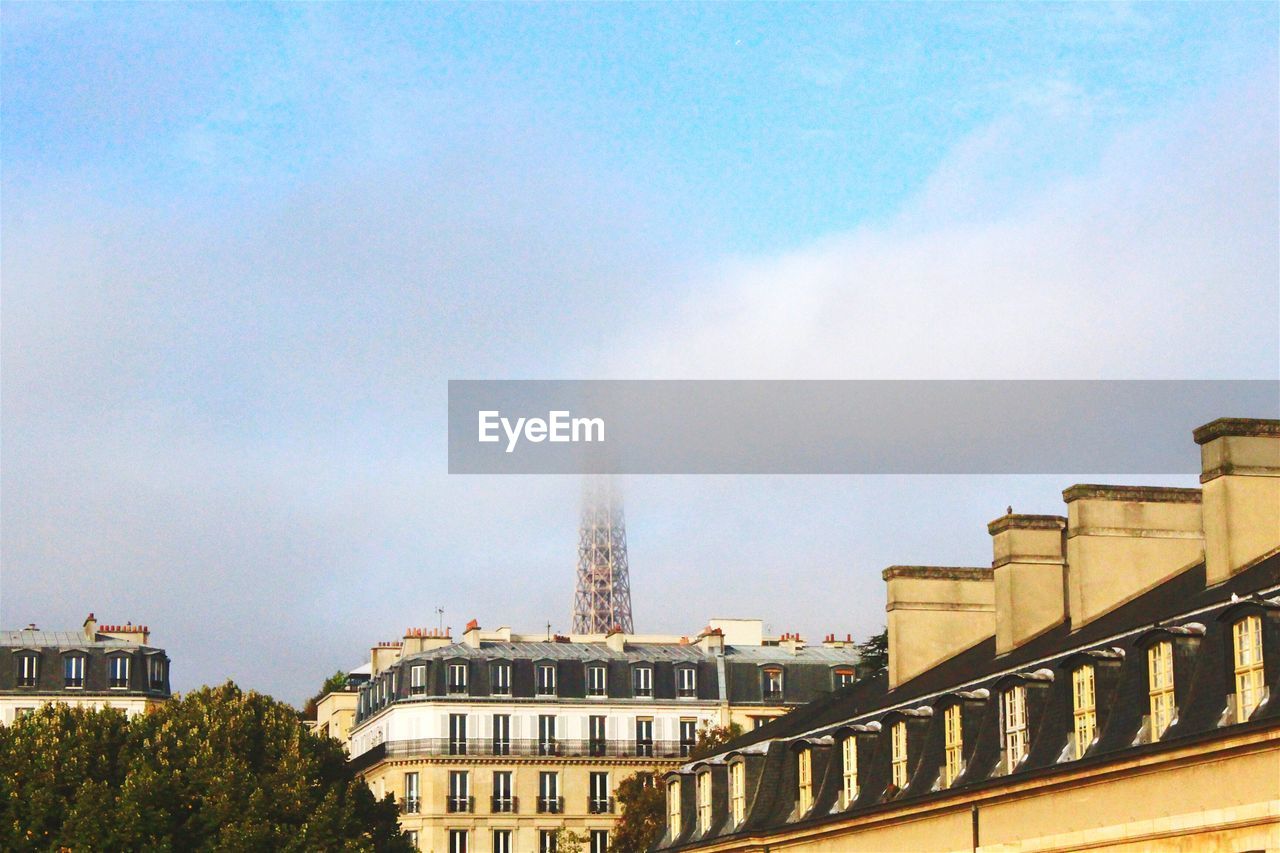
point(603, 597)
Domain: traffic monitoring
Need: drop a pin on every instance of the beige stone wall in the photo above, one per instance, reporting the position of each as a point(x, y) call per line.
point(336, 714)
point(1029, 563)
point(1216, 797)
point(1241, 483)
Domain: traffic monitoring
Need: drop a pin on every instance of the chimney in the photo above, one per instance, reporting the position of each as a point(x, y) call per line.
point(934, 613)
point(1124, 540)
point(1240, 476)
point(1029, 564)
point(384, 655)
point(128, 632)
point(711, 641)
point(615, 639)
point(471, 636)
point(90, 628)
point(793, 643)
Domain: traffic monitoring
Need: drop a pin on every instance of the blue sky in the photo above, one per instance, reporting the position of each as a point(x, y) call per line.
point(244, 247)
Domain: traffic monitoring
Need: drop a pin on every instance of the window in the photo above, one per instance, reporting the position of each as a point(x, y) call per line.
point(898, 735)
point(772, 685)
point(844, 676)
point(1160, 684)
point(547, 841)
point(1084, 708)
point(545, 682)
point(501, 734)
point(804, 780)
point(642, 681)
point(457, 678)
point(849, 769)
point(703, 791)
point(412, 804)
point(500, 679)
point(502, 841)
point(737, 792)
point(413, 838)
point(1247, 639)
point(757, 722)
point(644, 736)
point(503, 801)
point(953, 736)
point(157, 669)
point(1013, 723)
point(599, 841)
point(597, 680)
point(458, 841)
point(457, 734)
point(546, 734)
point(549, 792)
point(118, 672)
point(598, 794)
point(459, 791)
point(28, 666)
point(417, 680)
point(687, 682)
point(73, 670)
point(688, 736)
point(596, 743)
point(673, 807)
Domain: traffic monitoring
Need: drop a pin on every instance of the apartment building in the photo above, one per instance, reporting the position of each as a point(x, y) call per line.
point(98, 666)
point(497, 742)
point(1107, 683)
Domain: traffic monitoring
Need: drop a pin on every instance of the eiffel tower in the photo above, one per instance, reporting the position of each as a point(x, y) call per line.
point(603, 597)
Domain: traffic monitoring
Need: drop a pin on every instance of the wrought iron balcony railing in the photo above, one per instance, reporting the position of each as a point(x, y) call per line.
point(459, 805)
point(550, 805)
point(504, 805)
point(531, 747)
point(598, 805)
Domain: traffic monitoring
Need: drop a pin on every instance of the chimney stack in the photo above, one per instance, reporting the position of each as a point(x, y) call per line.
point(935, 612)
point(471, 636)
point(1124, 540)
point(1240, 476)
point(1029, 564)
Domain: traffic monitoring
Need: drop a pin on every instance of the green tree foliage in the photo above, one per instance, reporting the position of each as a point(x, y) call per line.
point(642, 801)
point(218, 769)
point(874, 654)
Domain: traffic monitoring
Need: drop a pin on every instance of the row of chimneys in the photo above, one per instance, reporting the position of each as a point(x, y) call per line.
point(1115, 543)
point(129, 632)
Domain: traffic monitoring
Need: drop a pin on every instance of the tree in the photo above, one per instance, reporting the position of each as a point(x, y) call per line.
point(642, 801)
point(711, 738)
point(216, 769)
point(873, 654)
point(568, 841)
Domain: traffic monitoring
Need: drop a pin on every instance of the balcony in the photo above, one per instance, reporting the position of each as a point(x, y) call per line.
point(550, 805)
point(598, 805)
point(410, 805)
point(459, 805)
point(504, 805)
point(532, 747)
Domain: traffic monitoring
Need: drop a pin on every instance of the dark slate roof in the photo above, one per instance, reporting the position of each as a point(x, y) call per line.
point(1181, 608)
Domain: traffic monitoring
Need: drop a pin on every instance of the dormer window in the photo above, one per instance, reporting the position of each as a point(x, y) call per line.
point(118, 672)
point(597, 680)
point(673, 807)
point(545, 680)
point(804, 780)
point(1160, 686)
point(848, 770)
point(843, 676)
point(1247, 643)
point(500, 679)
point(73, 671)
point(157, 671)
point(737, 792)
point(1084, 708)
point(1013, 726)
point(27, 666)
point(953, 738)
point(704, 801)
point(687, 682)
point(772, 684)
point(457, 681)
point(898, 758)
point(418, 679)
point(642, 681)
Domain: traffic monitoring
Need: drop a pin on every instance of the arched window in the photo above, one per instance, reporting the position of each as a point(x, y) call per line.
point(804, 779)
point(898, 735)
point(1013, 725)
point(849, 770)
point(673, 806)
point(704, 801)
point(737, 792)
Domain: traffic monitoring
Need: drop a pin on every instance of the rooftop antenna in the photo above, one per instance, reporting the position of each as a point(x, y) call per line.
point(440, 615)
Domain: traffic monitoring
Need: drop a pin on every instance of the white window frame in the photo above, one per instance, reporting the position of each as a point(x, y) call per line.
point(500, 676)
point(642, 681)
point(28, 669)
point(849, 769)
point(1084, 707)
point(804, 780)
point(115, 665)
point(1160, 687)
point(737, 792)
point(544, 683)
point(417, 679)
point(674, 817)
point(597, 673)
point(1247, 658)
point(73, 672)
point(702, 791)
point(1013, 725)
point(900, 771)
point(953, 744)
point(687, 683)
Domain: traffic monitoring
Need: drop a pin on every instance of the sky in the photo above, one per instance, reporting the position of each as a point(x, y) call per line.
point(243, 247)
